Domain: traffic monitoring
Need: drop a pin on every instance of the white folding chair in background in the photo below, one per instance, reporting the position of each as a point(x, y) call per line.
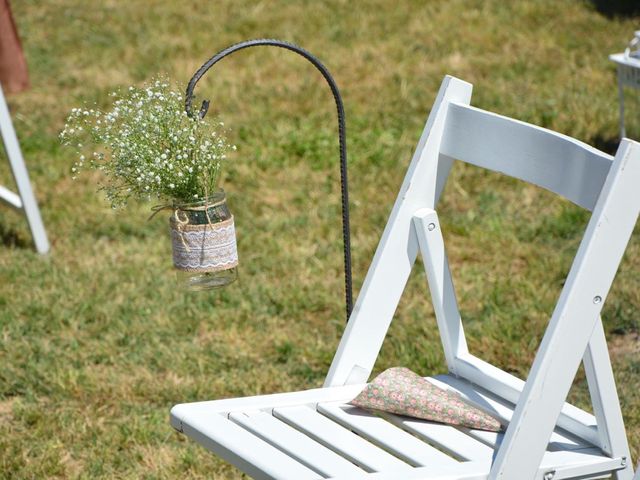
point(314, 434)
point(24, 200)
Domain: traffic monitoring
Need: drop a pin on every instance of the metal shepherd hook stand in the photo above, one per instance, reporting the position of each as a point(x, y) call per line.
point(341, 133)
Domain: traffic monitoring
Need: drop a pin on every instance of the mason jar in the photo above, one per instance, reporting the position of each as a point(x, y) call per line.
point(203, 238)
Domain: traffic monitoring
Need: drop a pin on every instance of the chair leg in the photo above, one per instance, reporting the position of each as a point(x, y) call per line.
point(21, 177)
point(443, 296)
point(573, 321)
point(606, 405)
point(623, 131)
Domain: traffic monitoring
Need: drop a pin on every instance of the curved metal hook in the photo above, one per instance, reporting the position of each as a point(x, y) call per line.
point(346, 234)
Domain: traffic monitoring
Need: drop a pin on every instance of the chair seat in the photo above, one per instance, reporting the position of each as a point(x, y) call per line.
point(316, 434)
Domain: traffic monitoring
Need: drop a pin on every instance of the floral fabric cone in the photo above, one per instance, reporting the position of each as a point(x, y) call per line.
point(399, 390)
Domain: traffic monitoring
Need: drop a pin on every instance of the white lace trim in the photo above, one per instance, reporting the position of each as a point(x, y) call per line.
point(211, 248)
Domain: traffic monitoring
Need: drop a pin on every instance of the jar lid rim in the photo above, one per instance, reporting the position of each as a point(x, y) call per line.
point(216, 198)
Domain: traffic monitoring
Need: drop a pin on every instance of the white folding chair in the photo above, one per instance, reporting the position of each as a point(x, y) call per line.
point(315, 434)
point(24, 200)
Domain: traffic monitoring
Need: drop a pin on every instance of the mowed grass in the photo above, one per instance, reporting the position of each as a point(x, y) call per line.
point(96, 341)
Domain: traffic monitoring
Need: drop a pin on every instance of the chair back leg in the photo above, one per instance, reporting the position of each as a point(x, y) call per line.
point(574, 320)
point(605, 401)
point(25, 199)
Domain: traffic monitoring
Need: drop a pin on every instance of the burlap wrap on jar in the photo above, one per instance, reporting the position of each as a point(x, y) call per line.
point(210, 247)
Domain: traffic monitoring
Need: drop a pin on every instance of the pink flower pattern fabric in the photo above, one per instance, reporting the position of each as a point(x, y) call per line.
point(401, 391)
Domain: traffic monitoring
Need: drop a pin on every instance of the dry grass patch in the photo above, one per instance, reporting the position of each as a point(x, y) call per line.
point(96, 341)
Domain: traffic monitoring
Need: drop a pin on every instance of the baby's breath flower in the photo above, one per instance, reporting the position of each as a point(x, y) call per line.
point(148, 146)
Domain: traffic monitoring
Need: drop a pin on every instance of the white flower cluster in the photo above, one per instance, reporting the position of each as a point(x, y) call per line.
point(147, 146)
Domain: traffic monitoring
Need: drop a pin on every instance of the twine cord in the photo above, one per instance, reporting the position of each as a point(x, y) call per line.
point(180, 224)
point(179, 211)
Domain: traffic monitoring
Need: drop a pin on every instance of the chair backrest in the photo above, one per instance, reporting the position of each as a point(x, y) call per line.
point(545, 158)
point(591, 179)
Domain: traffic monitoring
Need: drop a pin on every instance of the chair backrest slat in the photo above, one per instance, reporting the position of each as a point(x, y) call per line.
point(534, 154)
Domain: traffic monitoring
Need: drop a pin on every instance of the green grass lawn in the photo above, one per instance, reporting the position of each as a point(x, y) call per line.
point(96, 342)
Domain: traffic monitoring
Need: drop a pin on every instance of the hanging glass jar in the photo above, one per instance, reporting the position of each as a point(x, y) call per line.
point(203, 237)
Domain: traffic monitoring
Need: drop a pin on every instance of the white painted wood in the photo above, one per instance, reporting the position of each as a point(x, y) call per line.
point(440, 284)
point(623, 130)
point(384, 434)
point(262, 402)
point(19, 171)
point(576, 464)
point(534, 154)
point(605, 401)
point(573, 320)
point(462, 471)
point(196, 421)
point(397, 250)
point(501, 409)
point(261, 460)
point(339, 439)
point(585, 466)
point(295, 444)
point(10, 198)
point(445, 437)
point(545, 435)
point(628, 70)
point(503, 384)
point(246, 451)
point(625, 61)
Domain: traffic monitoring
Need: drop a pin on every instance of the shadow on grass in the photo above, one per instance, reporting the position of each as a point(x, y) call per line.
point(606, 144)
point(617, 8)
point(11, 238)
